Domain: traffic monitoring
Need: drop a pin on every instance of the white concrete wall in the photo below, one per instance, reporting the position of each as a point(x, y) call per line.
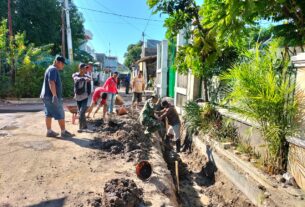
point(162, 69)
point(191, 89)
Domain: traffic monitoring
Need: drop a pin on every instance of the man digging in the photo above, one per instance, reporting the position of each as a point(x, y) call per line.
point(172, 116)
point(147, 118)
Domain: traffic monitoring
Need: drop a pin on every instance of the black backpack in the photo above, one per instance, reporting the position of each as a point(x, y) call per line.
point(80, 86)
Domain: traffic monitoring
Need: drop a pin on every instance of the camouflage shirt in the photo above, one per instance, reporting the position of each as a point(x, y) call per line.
point(147, 117)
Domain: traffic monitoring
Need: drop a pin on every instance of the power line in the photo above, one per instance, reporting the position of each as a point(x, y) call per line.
point(110, 11)
point(117, 22)
point(120, 15)
point(147, 23)
point(101, 37)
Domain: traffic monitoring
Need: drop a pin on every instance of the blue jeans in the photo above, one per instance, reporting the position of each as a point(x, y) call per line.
point(53, 110)
point(82, 108)
point(110, 100)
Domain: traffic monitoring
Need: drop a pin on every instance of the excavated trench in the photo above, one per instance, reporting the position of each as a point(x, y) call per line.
point(200, 184)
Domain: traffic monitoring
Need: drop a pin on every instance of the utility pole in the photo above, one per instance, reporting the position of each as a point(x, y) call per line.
point(11, 38)
point(143, 37)
point(69, 34)
point(63, 42)
point(9, 16)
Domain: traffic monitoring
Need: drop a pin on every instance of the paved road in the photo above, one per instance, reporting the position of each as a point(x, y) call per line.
point(6, 107)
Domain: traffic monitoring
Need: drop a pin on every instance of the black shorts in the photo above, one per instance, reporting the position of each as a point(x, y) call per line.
point(137, 97)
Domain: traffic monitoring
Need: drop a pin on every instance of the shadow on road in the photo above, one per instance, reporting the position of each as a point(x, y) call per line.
point(51, 203)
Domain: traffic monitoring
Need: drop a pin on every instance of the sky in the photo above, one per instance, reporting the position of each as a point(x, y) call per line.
point(115, 32)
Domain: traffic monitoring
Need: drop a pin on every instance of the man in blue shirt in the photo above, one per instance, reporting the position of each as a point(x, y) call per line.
point(51, 94)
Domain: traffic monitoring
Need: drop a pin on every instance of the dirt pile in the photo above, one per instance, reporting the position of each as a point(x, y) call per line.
point(122, 137)
point(112, 146)
point(85, 199)
point(122, 193)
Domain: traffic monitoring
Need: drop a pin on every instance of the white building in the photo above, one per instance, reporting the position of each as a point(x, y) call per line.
point(85, 46)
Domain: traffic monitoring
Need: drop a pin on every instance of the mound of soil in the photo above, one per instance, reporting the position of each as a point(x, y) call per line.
point(122, 193)
point(124, 137)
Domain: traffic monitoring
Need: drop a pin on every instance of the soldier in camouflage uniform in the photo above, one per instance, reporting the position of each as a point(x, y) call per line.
point(147, 115)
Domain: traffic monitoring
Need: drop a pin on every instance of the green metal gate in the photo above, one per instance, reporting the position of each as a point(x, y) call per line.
point(172, 71)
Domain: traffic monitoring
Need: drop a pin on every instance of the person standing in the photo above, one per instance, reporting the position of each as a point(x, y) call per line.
point(51, 94)
point(138, 86)
point(118, 82)
point(111, 87)
point(127, 83)
point(82, 85)
point(172, 116)
point(89, 72)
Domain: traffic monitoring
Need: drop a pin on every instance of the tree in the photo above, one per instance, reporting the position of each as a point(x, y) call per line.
point(41, 21)
point(82, 56)
point(133, 54)
point(230, 19)
point(201, 53)
point(29, 65)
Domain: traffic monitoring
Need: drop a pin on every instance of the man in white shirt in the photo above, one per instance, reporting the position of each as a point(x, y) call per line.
point(138, 86)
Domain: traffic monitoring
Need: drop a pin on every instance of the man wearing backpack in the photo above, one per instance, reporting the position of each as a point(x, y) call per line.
point(82, 88)
point(51, 94)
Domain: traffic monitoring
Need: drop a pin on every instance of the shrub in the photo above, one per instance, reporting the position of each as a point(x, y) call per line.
point(200, 118)
point(67, 81)
point(261, 90)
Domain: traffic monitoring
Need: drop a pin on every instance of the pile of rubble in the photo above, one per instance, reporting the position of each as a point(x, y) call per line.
point(122, 137)
point(122, 193)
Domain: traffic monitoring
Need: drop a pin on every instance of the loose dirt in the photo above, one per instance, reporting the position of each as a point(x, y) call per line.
point(99, 168)
point(203, 185)
point(122, 193)
point(39, 171)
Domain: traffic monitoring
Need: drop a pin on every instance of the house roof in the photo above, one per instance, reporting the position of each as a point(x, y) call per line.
point(147, 59)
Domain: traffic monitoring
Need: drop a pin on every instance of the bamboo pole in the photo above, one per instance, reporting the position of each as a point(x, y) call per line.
point(177, 175)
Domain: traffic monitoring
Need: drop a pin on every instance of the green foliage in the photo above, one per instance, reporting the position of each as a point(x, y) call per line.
point(192, 116)
point(82, 56)
point(261, 90)
point(41, 21)
point(66, 78)
point(200, 118)
point(29, 64)
point(244, 148)
point(133, 54)
point(224, 130)
point(230, 19)
point(181, 13)
point(3, 50)
point(202, 53)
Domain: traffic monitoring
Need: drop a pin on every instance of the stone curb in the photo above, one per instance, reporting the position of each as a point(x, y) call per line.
point(245, 177)
point(24, 101)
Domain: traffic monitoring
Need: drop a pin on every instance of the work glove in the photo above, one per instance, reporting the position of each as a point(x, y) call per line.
point(55, 100)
